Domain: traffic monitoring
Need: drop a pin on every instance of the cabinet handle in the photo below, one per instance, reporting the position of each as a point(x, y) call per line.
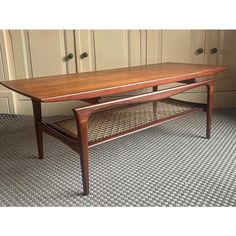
point(199, 51)
point(70, 56)
point(214, 50)
point(83, 55)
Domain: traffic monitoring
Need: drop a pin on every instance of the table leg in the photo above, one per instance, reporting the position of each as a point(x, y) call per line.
point(154, 89)
point(210, 92)
point(82, 126)
point(39, 133)
point(84, 156)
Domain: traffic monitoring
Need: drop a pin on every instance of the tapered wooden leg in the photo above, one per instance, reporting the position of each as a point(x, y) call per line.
point(83, 134)
point(39, 133)
point(210, 92)
point(155, 88)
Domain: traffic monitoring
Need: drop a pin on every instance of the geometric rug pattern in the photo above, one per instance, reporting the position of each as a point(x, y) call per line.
point(171, 164)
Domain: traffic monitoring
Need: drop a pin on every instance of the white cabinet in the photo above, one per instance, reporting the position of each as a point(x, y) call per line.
point(49, 52)
point(183, 46)
point(84, 50)
point(6, 69)
point(43, 53)
point(153, 46)
point(119, 48)
point(38, 52)
point(6, 102)
point(226, 83)
point(213, 50)
point(111, 49)
point(2, 72)
point(191, 46)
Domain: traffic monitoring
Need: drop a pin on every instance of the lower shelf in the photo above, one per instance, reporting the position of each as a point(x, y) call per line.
point(111, 124)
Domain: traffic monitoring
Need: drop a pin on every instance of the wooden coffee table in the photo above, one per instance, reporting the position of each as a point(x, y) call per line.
point(99, 121)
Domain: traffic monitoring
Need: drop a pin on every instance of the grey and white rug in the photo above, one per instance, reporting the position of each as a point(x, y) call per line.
point(168, 165)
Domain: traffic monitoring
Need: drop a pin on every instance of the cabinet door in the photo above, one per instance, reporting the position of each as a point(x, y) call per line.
point(184, 46)
point(47, 52)
point(2, 72)
point(84, 44)
point(111, 49)
point(6, 102)
point(123, 48)
point(6, 97)
point(212, 50)
point(136, 47)
point(6, 62)
point(38, 53)
point(153, 46)
point(42, 53)
point(229, 52)
point(119, 48)
point(225, 87)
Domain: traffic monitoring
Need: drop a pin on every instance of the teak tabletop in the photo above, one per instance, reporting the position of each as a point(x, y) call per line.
point(100, 83)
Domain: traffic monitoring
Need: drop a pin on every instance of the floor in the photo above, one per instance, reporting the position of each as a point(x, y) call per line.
point(168, 165)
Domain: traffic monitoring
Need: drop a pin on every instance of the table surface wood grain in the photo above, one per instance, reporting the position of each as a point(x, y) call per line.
point(101, 83)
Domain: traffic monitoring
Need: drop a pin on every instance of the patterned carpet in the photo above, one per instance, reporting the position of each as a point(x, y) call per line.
point(168, 165)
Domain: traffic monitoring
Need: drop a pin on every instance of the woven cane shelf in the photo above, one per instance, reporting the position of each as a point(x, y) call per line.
point(107, 125)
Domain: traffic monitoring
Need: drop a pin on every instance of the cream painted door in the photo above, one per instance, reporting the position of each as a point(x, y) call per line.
point(185, 46)
point(119, 48)
point(226, 82)
point(190, 46)
point(47, 52)
point(84, 47)
point(37, 53)
point(4, 100)
point(153, 46)
point(6, 96)
point(42, 53)
point(2, 72)
point(111, 49)
point(212, 47)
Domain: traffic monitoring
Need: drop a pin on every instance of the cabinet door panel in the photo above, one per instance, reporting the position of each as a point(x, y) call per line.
point(84, 44)
point(176, 45)
point(111, 49)
point(227, 80)
point(41, 53)
point(181, 46)
point(153, 46)
point(229, 52)
point(21, 54)
point(2, 72)
point(6, 102)
point(135, 52)
point(70, 49)
point(4, 106)
point(120, 48)
point(38, 53)
point(47, 51)
point(212, 42)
